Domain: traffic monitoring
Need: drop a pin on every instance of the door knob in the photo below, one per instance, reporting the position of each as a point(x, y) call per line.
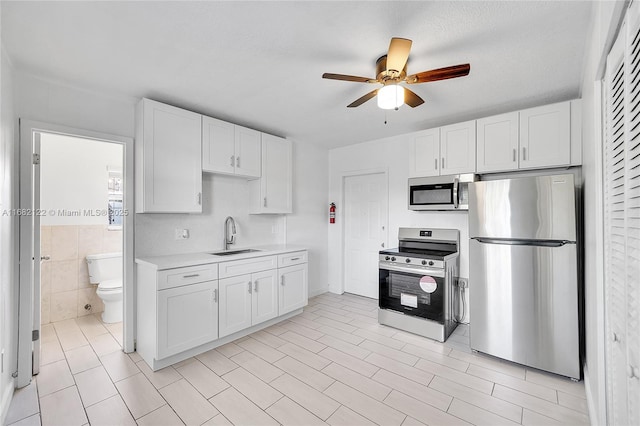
point(382, 245)
point(45, 257)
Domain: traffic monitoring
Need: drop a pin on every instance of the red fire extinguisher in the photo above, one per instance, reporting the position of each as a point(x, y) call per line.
point(332, 213)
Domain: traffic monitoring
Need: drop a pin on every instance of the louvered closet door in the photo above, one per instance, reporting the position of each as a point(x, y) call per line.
point(622, 223)
point(632, 212)
point(615, 288)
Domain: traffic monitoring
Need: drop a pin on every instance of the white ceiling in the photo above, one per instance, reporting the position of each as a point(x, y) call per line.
point(259, 64)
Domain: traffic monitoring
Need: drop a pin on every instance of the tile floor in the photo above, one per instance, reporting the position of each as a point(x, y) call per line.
point(333, 365)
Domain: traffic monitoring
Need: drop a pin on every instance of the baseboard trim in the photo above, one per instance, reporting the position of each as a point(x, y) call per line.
point(5, 402)
point(318, 292)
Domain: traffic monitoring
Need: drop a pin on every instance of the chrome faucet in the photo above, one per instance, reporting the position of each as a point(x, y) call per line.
point(227, 240)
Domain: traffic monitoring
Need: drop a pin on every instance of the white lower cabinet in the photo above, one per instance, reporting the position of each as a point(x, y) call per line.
point(177, 310)
point(264, 299)
point(187, 317)
point(293, 288)
point(247, 300)
point(235, 305)
point(185, 311)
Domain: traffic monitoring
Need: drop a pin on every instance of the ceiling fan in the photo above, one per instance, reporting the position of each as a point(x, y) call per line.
point(391, 69)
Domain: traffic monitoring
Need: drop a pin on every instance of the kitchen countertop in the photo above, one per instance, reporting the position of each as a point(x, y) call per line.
point(203, 258)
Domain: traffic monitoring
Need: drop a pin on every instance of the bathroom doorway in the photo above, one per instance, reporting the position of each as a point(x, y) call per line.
point(79, 185)
point(81, 189)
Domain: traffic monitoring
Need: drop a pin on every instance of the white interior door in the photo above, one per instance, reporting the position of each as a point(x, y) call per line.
point(365, 231)
point(38, 257)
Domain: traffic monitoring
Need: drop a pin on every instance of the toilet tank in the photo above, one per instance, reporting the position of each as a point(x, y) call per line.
point(104, 266)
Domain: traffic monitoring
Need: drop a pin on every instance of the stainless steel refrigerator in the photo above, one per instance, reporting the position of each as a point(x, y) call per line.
point(523, 277)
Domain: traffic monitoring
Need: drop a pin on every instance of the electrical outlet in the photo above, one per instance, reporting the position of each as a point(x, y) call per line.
point(463, 282)
point(182, 234)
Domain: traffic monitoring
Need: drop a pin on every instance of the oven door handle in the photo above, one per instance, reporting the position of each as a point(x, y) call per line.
point(426, 271)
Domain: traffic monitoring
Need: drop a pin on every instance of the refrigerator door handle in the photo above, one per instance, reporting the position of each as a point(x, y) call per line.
point(514, 242)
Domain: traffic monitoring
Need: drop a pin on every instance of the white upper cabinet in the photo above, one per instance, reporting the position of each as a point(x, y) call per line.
point(458, 148)
point(168, 159)
point(535, 138)
point(545, 136)
point(272, 192)
point(230, 149)
point(218, 146)
point(248, 152)
point(444, 151)
point(425, 155)
point(497, 143)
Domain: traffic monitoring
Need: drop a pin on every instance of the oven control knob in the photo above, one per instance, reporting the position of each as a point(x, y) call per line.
point(393, 259)
point(431, 263)
point(424, 262)
point(408, 260)
point(387, 258)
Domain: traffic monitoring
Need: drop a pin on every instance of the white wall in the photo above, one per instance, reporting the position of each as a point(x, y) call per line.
point(73, 176)
point(8, 235)
point(605, 19)
point(393, 155)
point(222, 196)
point(308, 224)
point(50, 102)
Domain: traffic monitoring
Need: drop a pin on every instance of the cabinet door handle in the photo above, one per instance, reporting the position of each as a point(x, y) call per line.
point(265, 201)
point(199, 198)
point(442, 167)
point(514, 155)
point(191, 276)
point(232, 157)
point(249, 287)
point(238, 161)
point(524, 153)
point(255, 286)
point(436, 161)
point(215, 295)
point(282, 280)
point(297, 258)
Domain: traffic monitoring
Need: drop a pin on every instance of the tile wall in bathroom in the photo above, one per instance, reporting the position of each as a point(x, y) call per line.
point(65, 287)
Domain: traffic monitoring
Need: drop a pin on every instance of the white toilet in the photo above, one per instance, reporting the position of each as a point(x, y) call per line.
point(106, 270)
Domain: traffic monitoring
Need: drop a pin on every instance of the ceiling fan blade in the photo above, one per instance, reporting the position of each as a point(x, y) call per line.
point(439, 74)
point(412, 99)
point(363, 99)
point(398, 53)
point(344, 77)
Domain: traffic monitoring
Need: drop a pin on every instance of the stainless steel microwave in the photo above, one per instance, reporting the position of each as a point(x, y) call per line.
point(440, 192)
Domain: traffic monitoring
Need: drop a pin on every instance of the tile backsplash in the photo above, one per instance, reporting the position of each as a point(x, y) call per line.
point(65, 287)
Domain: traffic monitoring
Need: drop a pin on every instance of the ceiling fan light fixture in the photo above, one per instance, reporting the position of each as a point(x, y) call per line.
point(391, 96)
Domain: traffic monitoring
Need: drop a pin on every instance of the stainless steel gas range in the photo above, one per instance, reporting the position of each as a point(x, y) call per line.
point(416, 282)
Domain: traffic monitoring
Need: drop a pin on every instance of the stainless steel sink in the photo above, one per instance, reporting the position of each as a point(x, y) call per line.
point(230, 252)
